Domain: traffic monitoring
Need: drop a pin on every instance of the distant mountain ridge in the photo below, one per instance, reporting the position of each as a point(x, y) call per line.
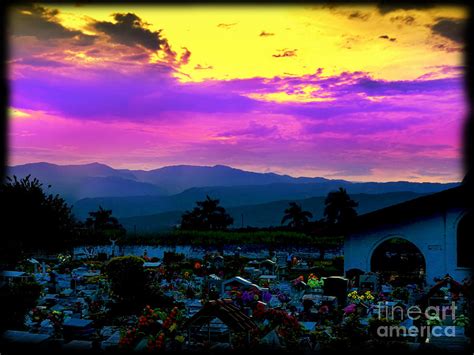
point(131, 193)
point(74, 182)
point(154, 200)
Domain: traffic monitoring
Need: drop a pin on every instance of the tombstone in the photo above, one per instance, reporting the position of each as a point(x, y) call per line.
point(73, 283)
point(218, 262)
point(369, 282)
point(336, 286)
point(35, 265)
point(112, 247)
point(52, 284)
point(268, 267)
point(78, 328)
point(43, 268)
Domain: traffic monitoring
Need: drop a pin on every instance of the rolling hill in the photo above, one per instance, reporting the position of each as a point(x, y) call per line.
point(233, 196)
point(266, 214)
point(132, 193)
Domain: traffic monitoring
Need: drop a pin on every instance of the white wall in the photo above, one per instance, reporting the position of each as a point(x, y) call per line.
point(434, 236)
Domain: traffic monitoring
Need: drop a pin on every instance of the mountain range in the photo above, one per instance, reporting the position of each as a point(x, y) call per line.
point(155, 199)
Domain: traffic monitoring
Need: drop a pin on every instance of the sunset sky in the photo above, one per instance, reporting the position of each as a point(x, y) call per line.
point(363, 93)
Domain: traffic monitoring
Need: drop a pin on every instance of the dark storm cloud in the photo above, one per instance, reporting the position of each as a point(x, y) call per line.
point(453, 29)
point(130, 30)
point(85, 40)
point(39, 22)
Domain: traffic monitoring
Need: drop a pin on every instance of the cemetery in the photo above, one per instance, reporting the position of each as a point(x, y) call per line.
point(218, 302)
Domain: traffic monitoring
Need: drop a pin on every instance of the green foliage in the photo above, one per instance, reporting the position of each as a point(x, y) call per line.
point(400, 293)
point(208, 215)
point(461, 321)
point(213, 238)
point(68, 265)
point(15, 301)
point(127, 277)
point(340, 208)
point(298, 219)
point(345, 335)
point(102, 227)
point(29, 214)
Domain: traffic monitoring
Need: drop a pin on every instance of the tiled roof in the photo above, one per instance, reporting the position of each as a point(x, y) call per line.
point(226, 311)
point(424, 206)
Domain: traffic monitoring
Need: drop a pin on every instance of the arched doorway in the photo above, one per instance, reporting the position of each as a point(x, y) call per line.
point(399, 262)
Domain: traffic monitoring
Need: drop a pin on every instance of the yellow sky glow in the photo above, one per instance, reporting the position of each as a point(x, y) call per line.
point(228, 40)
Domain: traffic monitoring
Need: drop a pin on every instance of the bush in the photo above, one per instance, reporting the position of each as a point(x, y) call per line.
point(127, 277)
point(401, 293)
point(15, 301)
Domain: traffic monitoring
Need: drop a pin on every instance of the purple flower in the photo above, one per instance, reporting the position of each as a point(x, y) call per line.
point(350, 309)
point(247, 296)
point(266, 296)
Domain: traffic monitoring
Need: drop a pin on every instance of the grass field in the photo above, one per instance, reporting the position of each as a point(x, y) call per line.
point(208, 238)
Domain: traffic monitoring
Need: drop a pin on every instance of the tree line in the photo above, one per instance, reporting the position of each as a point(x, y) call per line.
point(340, 211)
point(36, 221)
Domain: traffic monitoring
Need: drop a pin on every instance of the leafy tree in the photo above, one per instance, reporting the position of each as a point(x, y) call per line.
point(298, 219)
point(340, 208)
point(15, 301)
point(127, 277)
point(207, 215)
point(102, 226)
point(32, 219)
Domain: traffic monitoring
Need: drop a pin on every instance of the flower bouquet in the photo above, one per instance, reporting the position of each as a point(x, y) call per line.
point(56, 318)
point(314, 282)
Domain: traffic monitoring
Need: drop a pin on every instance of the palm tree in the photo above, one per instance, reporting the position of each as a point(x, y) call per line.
point(340, 208)
point(103, 225)
point(101, 219)
point(297, 217)
point(208, 215)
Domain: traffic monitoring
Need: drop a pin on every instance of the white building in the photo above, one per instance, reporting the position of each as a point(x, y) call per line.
point(438, 225)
